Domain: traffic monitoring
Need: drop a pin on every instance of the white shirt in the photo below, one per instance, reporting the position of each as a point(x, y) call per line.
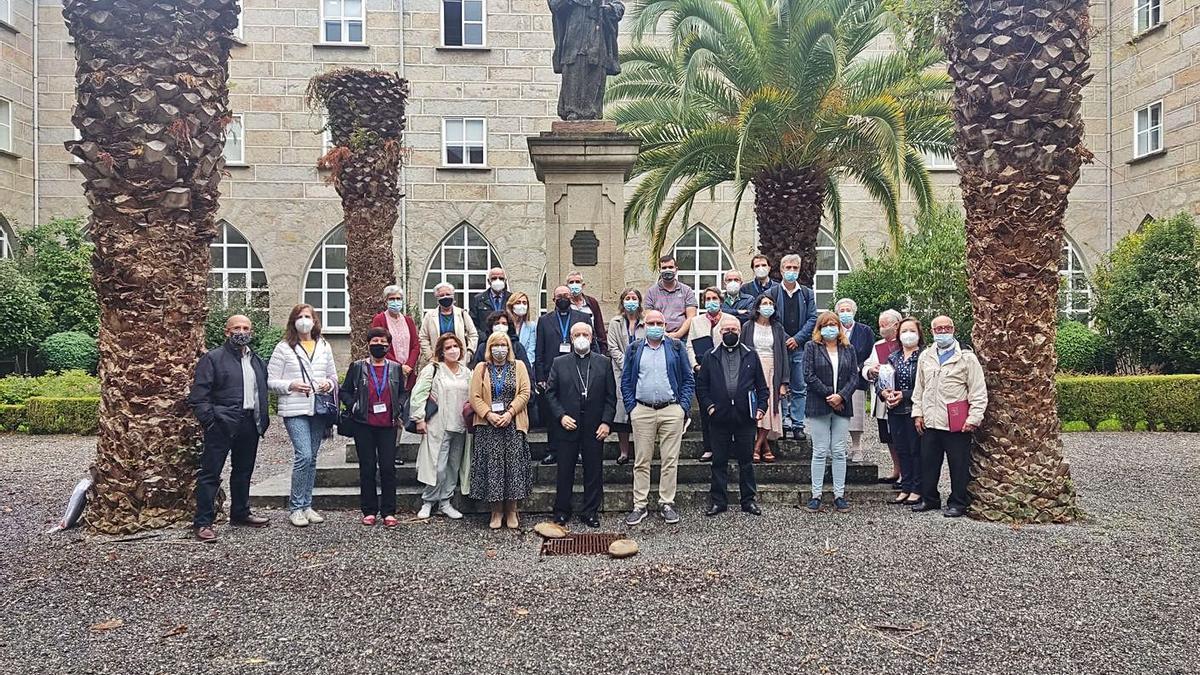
point(833, 358)
point(249, 382)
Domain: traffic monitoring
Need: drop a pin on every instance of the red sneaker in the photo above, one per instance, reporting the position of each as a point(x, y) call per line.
point(369, 521)
point(390, 521)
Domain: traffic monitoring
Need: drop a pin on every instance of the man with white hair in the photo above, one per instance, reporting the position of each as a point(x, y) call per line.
point(446, 318)
point(582, 397)
point(492, 298)
point(735, 301)
point(862, 339)
point(796, 307)
point(889, 321)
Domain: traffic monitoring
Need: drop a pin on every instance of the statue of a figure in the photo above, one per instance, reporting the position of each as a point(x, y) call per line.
point(585, 53)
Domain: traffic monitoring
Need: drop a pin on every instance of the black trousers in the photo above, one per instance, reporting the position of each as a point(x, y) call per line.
point(732, 442)
point(376, 448)
point(242, 444)
point(592, 452)
point(706, 433)
point(956, 446)
point(908, 450)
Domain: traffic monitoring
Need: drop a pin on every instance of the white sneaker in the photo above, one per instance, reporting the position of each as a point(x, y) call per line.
point(426, 511)
point(446, 509)
point(313, 516)
point(298, 519)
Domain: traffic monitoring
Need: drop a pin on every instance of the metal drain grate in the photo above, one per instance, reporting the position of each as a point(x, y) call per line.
point(580, 544)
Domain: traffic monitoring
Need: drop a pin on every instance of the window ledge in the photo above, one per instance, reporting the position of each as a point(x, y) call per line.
point(236, 165)
point(463, 48)
point(335, 331)
point(4, 25)
point(464, 167)
point(1138, 37)
point(942, 169)
point(341, 45)
point(1148, 156)
point(9, 153)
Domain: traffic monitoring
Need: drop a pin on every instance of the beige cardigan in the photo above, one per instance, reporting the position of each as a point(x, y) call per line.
point(959, 378)
point(481, 395)
point(464, 328)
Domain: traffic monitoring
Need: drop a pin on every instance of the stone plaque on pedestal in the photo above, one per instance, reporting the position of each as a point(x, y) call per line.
point(584, 165)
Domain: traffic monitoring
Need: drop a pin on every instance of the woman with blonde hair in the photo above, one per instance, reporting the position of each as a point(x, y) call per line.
point(831, 376)
point(499, 397)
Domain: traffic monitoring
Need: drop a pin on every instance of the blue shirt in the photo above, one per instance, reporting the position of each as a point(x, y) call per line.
point(653, 385)
point(446, 323)
point(528, 339)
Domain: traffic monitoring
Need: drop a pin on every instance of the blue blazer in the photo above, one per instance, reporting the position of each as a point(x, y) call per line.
point(741, 308)
point(679, 372)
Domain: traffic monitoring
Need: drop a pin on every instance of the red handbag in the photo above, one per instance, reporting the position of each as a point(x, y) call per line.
point(468, 415)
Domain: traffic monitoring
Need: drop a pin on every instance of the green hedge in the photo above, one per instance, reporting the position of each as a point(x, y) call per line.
point(1161, 402)
point(71, 350)
point(11, 416)
point(68, 384)
point(62, 415)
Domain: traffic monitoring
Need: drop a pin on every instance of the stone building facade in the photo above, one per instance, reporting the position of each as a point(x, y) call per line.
point(481, 83)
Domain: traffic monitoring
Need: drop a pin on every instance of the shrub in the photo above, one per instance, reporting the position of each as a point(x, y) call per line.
point(57, 257)
point(1080, 349)
point(71, 350)
point(11, 417)
point(24, 316)
point(62, 415)
point(69, 384)
point(266, 336)
point(1162, 402)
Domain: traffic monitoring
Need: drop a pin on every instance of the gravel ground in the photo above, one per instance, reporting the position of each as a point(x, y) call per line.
point(788, 592)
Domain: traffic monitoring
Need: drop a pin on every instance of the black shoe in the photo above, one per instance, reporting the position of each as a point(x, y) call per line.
point(590, 521)
point(399, 461)
point(550, 460)
point(797, 434)
point(955, 512)
point(715, 510)
point(622, 460)
point(752, 508)
point(706, 456)
point(920, 507)
point(887, 479)
point(561, 518)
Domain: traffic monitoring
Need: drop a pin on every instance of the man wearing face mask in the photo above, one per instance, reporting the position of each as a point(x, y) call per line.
point(796, 309)
point(582, 396)
point(862, 339)
point(553, 340)
point(735, 301)
point(675, 299)
point(229, 398)
point(491, 299)
point(447, 318)
point(760, 267)
point(948, 403)
point(585, 303)
point(733, 394)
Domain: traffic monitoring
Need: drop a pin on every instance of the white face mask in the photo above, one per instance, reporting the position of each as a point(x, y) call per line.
point(520, 309)
point(582, 343)
point(908, 339)
point(762, 271)
point(304, 324)
point(451, 354)
point(733, 287)
point(500, 328)
point(497, 285)
point(499, 353)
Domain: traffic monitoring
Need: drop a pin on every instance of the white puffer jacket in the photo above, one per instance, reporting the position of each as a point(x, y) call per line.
point(284, 368)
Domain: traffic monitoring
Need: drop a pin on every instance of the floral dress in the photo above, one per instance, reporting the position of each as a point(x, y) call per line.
point(500, 455)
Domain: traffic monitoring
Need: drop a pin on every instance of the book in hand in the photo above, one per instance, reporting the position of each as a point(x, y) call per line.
point(956, 414)
point(702, 346)
point(884, 349)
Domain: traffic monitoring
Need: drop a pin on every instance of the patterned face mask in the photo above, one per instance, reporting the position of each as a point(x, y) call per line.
point(241, 339)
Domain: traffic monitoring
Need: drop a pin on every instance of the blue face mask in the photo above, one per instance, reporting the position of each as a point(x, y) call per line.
point(846, 318)
point(396, 306)
point(575, 288)
point(630, 305)
point(829, 332)
point(767, 310)
point(712, 306)
point(791, 277)
point(655, 332)
point(943, 340)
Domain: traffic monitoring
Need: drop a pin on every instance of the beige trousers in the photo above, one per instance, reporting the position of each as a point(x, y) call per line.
point(664, 428)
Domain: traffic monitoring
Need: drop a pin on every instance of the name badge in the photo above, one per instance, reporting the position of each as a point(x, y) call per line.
point(497, 407)
point(564, 349)
point(379, 408)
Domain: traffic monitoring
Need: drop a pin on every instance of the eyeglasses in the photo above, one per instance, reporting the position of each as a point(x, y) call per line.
point(943, 329)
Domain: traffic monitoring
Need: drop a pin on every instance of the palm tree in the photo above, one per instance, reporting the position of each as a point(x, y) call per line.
point(366, 120)
point(151, 106)
point(1019, 68)
point(781, 95)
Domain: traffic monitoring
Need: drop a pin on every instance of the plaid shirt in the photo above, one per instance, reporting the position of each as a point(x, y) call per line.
point(673, 304)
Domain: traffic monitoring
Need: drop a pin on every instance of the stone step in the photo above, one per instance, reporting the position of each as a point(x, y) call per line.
point(690, 500)
point(689, 471)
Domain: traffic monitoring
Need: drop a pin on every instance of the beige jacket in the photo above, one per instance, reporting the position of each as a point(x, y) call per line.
point(464, 328)
point(961, 377)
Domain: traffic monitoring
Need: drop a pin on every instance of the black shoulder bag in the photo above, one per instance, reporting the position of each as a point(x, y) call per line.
point(431, 405)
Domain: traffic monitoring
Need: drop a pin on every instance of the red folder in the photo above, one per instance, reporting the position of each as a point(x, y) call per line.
point(957, 414)
point(884, 349)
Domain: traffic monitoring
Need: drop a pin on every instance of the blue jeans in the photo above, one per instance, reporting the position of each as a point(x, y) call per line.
point(305, 433)
point(799, 390)
point(830, 435)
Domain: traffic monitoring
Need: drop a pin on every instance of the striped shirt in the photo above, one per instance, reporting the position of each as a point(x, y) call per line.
point(673, 304)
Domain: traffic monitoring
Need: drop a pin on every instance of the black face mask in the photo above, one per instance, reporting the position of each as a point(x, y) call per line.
point(378, 351)
point(562, 304)
point(446, 301)
point(729, 340)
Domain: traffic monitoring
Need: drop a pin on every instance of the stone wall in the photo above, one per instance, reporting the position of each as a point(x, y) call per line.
point(16, 86)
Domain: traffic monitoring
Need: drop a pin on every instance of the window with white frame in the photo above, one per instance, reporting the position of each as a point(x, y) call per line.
point(936, 161)
point(463, 141)
point(6, 125)
point(1147, 130)
point(6, 11)
point(5, 245)
point(463, 23)
point(235, 141)
point(462, 260)
point(702, 260)
point(831, 266)
point(1075, 292)
point(326, 135)
point(237, 276)
point(325, 283)
point(343, 22)
point(238, 31)
point(1146, 15)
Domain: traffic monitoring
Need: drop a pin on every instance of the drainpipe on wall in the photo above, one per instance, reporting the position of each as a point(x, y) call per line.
point(37, 127)
point(1108, 182)
point(403, 181)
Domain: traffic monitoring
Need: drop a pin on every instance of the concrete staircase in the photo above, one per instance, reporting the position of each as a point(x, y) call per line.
point(783, 482)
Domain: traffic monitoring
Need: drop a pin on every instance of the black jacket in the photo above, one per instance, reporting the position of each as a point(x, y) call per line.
point(481, 306)
point(818, 377)
point(216, 396)
point(713, 391)
point(565, 396)
point(355, 393)
point(519, 352)
point(549, 338)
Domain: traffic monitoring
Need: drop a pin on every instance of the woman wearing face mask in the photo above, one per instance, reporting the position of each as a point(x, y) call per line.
point(498, 322)
point(444, 452)
point(524, 328)
point(499, 394)
point(765, 336)
point(703, 335)
point(889, 321)
point(301, 367)
point(896, 389)
point(375, 398)
point(626, 327)
point(406, 345)
point(831, 375)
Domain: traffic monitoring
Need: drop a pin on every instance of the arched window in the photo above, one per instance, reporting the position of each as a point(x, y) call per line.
point(6, 242)
point(831, 265)
point(237, 276)
point(1075, 293)
point(702, 259)
point(325, 283)
point(462, 260)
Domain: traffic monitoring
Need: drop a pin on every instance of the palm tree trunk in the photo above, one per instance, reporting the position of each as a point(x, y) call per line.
point(1018, 68)
point(370, 266)
point(788, 205)
point(152, 103)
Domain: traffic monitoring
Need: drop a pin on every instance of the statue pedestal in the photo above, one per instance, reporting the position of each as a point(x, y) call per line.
point(584, 165)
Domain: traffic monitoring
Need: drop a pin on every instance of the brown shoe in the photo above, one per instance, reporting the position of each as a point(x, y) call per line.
point(251, 521)
point(206, 533)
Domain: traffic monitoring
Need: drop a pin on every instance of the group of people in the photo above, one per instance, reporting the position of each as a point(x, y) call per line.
point(758, 360)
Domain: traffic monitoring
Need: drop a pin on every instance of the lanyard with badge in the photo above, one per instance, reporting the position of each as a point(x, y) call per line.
point(379, 385)
point(564, 347)
point(498, 375)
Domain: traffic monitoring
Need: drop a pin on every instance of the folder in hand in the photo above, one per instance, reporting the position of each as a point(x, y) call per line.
point(956, 414)
point(884, 349)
